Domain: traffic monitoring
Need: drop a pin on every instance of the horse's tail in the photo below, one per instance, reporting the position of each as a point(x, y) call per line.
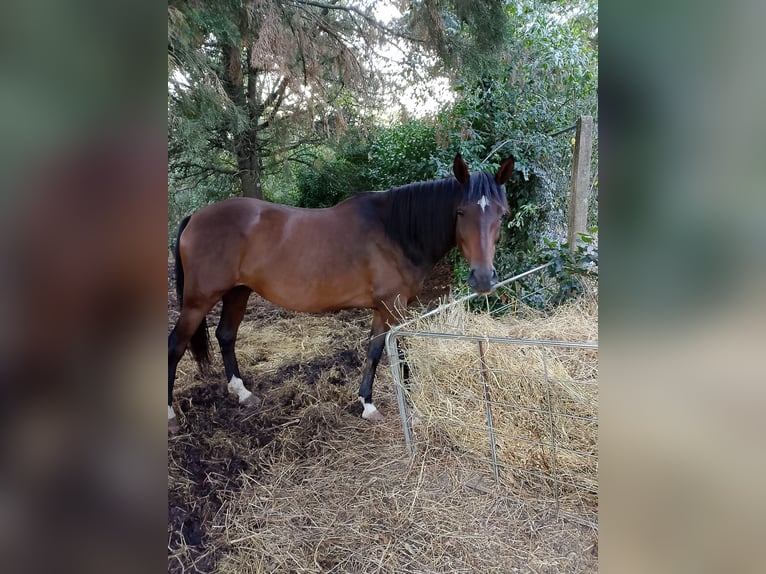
point(179, 267)
point(199, 345)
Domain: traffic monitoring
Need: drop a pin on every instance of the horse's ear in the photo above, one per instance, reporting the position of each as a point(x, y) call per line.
point(506, 170)
point(460, 169)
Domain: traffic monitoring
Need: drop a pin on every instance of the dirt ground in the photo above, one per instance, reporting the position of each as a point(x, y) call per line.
point(303, 484)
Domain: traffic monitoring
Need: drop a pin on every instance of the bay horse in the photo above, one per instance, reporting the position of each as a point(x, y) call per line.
point(373, 250)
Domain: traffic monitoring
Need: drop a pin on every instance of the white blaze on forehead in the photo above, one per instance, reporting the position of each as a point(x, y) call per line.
point(237, 386)
point(483, 203)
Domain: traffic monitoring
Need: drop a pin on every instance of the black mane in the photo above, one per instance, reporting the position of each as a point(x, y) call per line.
point(420, 217)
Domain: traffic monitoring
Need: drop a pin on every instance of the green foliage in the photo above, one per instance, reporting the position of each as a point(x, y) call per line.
point(392, 156)
point(329, 182)
point(463, 33)
point(542, 79)
point(281, 185)
point(402, 154)
point(186, 198)
point(570, 266)
point(562, 280)
point(333, 175)
point(252, 82)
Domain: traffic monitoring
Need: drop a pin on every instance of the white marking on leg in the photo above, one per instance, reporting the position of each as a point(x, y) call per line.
point(238, 387)
point(483, 203)
point(171, 413)
point(370, 412)
point(369, 408)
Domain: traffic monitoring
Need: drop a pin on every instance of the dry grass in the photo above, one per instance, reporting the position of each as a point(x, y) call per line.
point(374, 510)
point(306, 486)
point(540, 396)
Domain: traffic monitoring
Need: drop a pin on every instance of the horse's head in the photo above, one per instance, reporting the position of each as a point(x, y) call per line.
point(479, 214)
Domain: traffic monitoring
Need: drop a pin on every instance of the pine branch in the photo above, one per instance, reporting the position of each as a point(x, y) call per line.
point(369, 19)
point(188, 165)
point(293, 146)
point(275, 98)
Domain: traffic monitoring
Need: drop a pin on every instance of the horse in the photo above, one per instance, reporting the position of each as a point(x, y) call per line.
point(373, 250)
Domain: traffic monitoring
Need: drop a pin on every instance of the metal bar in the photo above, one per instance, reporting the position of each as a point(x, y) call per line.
point(398, 328)
point(585, 420)
point(530, 377)
point(512, 340)
point(580, 520)
point(401, 399)
point(553, 430)
point(532, 442)
point(536, 474)
point(563, 131)
point(490, 425)
point(523, 408)
point(584, 383)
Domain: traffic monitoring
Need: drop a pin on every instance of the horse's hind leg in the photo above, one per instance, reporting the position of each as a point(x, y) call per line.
point(232, 313)
point(173, 357)
point(188, 322)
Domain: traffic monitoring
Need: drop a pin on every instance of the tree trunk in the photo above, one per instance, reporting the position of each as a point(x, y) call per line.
point(248, 159)
point(250, 178)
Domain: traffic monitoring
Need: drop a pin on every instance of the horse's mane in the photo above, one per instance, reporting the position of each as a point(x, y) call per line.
point(420, 217)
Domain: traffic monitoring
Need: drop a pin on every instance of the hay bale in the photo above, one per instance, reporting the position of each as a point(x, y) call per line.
point(540, 395)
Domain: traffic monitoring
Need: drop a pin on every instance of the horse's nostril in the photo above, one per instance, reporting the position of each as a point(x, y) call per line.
point(482, 280)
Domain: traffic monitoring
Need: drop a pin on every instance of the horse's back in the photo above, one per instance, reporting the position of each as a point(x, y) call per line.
point(311, 259)
point(302, 259)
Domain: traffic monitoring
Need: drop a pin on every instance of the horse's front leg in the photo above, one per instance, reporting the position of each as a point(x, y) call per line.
point(374, 350)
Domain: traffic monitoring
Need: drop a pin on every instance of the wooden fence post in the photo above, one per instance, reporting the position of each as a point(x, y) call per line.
point(580, 185)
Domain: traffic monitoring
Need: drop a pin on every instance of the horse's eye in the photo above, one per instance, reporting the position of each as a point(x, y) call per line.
point(460, 212)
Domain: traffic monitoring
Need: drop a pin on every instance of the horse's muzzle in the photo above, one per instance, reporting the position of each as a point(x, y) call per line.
point(482, 280)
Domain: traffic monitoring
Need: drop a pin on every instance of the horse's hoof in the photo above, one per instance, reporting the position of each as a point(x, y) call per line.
point(371, 413)
point(374, 417)
point(173, 426)
point(251, 402)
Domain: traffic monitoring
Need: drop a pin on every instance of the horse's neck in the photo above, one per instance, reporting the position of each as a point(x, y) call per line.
point(437, 255)
point(420, 219)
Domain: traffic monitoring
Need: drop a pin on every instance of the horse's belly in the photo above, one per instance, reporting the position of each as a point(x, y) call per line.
point(312, 293)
